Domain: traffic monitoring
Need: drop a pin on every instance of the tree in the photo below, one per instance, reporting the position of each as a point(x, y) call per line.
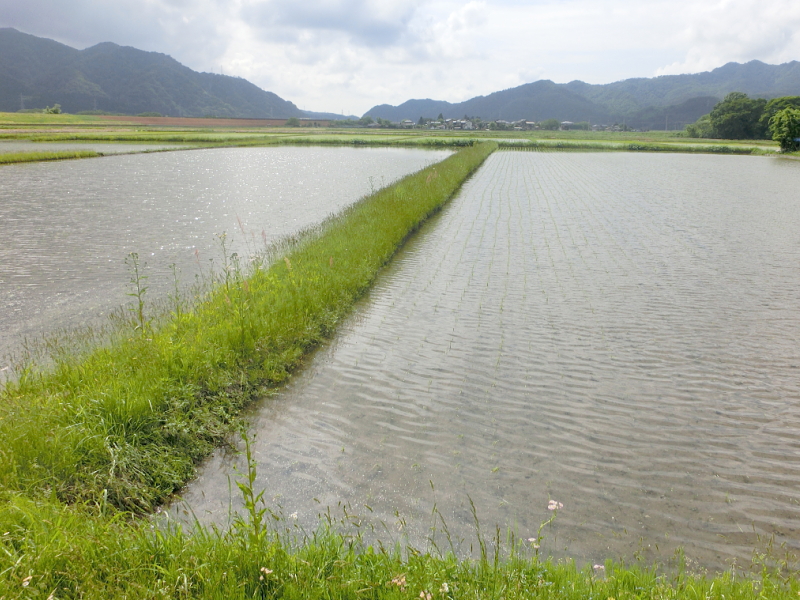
point(551, 124)
point(738, 117)
point(785, 129)
point(776, 105)
point(53, 110)
point(701, 128)
point(440, 117)
point(293, 122)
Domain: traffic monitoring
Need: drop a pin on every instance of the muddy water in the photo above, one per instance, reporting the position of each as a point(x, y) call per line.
point(67, 227)
point(617, 332)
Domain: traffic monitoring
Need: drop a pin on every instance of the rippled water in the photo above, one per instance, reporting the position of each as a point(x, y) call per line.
point(67, 227)
point(7, 146)
point(618, 332)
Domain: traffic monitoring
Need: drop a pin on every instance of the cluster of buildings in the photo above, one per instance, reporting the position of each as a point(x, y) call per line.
point(499, 124)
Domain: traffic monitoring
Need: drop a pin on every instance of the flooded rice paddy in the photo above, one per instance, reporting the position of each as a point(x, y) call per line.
point(68, 226)
point(8, 146)
point(616, 332)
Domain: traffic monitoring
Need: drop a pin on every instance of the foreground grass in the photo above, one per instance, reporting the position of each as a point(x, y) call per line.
point(50, 551)
point(20, 157)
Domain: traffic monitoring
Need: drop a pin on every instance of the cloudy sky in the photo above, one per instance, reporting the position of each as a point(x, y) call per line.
point(348, 55)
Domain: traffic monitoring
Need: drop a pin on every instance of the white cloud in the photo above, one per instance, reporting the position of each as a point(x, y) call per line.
point(352, 54)
point(737, 30)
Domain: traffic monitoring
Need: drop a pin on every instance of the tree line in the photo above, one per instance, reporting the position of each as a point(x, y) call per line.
point(739, 117)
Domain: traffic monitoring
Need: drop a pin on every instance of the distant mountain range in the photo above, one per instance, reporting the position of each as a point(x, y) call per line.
point(37, 72)
point(669, 101)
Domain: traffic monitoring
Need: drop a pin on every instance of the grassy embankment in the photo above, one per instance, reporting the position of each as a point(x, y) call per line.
point(633, 146)
point(20, 157)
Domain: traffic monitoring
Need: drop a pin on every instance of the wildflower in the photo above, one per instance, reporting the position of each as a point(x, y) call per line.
point(27, 581)
point(554, 505)
point(599, 568)
point(293, 516)
point(265, 571)
point(399, 581)
point(425, 595)
point(534, 543)
point(445, 588)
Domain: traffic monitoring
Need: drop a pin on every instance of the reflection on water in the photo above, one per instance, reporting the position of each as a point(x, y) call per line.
point(618, 332)
point(7, 146)
point(67, 227)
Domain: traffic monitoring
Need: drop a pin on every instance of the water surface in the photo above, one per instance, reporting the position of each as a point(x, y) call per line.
point(8, 146)
point(617, 332)
point(68, 226)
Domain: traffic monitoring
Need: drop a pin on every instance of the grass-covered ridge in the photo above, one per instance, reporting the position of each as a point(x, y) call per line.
point(20, 157)
point(125, 423)
point(630, 146)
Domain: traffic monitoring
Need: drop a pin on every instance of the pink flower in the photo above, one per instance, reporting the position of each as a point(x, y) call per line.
point(554, 505)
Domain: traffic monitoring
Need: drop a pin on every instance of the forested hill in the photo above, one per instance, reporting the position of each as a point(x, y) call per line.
point(37, 72)
point(670, 100)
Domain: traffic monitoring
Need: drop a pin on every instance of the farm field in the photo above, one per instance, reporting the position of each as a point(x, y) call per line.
point(71, 128)
point(617, 332)
point(591, 351)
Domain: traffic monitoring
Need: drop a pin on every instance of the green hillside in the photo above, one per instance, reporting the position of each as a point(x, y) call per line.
point(37, 72)
point(670, 101)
